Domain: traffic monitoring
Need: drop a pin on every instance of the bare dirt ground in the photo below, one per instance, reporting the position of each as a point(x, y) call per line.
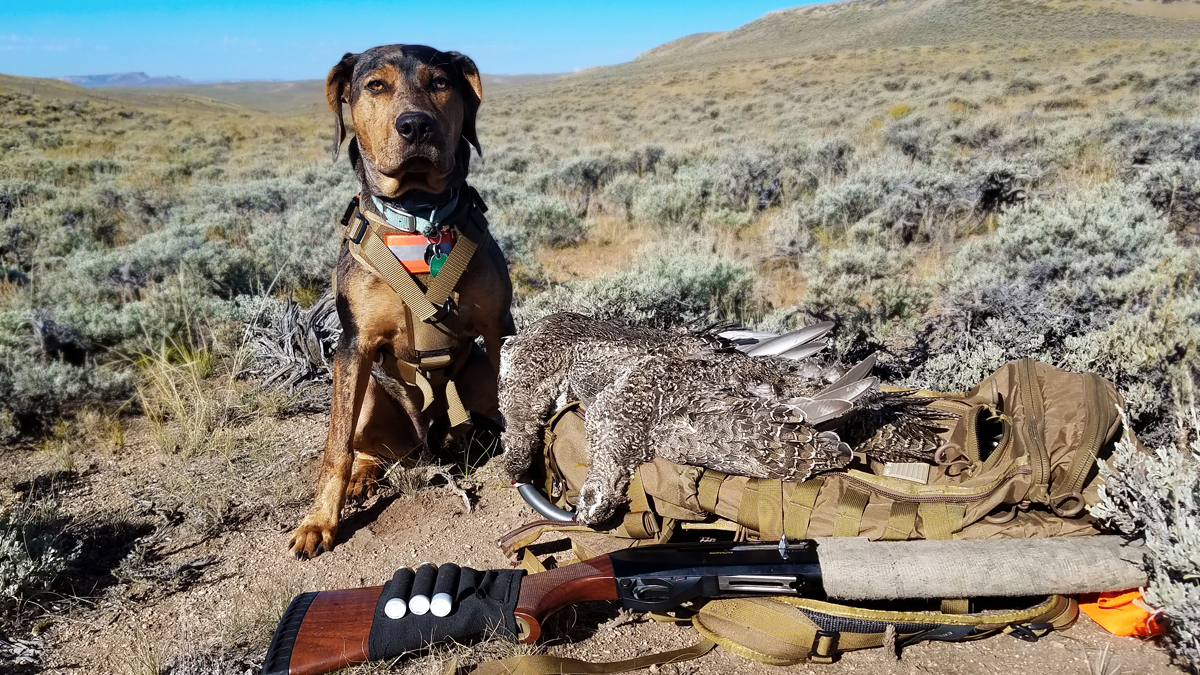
point(218, 617)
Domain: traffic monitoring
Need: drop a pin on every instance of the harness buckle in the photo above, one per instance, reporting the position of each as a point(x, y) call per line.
point(360, 229)
point(435, 359)
point(350, 209)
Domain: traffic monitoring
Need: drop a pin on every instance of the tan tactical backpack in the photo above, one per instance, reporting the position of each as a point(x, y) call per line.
point(1020, 461)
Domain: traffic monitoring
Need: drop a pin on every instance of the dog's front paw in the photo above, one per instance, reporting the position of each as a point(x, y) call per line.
point(362, 487)
point(596, 504)
point(312, 538)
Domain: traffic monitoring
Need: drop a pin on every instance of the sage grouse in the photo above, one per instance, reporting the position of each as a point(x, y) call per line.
point(699, 399)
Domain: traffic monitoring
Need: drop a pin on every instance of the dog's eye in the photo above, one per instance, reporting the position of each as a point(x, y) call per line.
point(440, 84)
point(376, 85)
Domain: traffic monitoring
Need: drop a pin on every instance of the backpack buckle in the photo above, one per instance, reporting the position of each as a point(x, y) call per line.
point(824, 647)
point(1029, 632)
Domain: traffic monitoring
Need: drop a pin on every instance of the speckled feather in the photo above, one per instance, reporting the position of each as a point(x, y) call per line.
point(689, 398)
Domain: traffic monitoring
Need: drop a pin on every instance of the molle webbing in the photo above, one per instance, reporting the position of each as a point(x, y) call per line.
point(804, 497)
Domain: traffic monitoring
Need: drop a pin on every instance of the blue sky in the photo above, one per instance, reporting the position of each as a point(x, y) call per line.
point(224, 40)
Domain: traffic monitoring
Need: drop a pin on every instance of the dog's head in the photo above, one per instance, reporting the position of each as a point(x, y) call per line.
point(413, 109)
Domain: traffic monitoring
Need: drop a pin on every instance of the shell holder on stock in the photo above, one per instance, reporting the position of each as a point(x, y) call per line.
point(422, 260)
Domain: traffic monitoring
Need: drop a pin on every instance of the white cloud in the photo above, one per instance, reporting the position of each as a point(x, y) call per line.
point(19, 43)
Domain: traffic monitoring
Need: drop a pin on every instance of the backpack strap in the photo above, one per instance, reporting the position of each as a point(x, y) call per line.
point(640, 521)
point(785, 630)
point(708, 488)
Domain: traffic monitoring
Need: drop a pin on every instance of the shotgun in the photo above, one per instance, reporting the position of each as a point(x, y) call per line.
point(323, 631)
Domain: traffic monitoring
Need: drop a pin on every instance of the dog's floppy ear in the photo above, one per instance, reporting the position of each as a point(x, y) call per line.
point(337, 90)
point(472, 90)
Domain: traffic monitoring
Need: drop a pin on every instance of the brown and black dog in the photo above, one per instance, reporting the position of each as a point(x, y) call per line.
point(413, 109)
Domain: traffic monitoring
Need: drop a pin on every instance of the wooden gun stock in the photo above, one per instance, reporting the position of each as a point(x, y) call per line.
point(546, 592)
point(328, 630)
point(323, 631)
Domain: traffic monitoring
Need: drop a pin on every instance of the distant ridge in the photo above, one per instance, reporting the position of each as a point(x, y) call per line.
point(886, 24)
point(125, 80)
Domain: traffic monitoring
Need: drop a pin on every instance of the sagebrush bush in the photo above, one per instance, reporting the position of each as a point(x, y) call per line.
point(34, 552)
point(862, 285)
point(1173, 187)
point(662, 291)
point(1092, 282)
point(1155, 495)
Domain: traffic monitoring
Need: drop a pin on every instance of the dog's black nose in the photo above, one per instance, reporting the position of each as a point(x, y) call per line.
point(415, 127)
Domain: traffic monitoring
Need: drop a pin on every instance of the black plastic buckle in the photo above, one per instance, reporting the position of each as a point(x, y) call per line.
point(826, 653)
point(349, 211)
point(945, 633)
point(1027, 633)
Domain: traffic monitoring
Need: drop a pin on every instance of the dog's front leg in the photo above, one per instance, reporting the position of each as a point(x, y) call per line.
point(351, 375)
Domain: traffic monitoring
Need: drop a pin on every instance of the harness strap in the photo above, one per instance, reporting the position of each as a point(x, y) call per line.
point(441, 377)
point(473, 233)
point(376, 255)
point(411, 373)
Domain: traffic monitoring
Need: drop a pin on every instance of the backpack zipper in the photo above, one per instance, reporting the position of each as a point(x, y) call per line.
point(1031, 397)
point(899, 496)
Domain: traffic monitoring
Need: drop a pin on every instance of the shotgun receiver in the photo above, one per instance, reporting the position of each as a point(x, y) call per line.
point(328, 630)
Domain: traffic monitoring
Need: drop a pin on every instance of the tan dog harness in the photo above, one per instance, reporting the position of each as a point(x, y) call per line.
point(430, 300)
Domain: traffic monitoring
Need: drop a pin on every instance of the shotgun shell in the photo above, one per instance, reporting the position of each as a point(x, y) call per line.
point(397, 606)
point(422, 589)
point(447, 583)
